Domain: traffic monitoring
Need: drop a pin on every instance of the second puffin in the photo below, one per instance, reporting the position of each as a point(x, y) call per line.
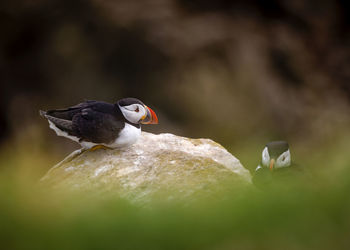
point(94, 123)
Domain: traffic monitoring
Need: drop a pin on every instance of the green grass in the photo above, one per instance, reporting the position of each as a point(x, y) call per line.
point(311, 216)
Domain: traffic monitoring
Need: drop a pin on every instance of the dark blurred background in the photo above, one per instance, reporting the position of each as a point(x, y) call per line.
point(238, 72)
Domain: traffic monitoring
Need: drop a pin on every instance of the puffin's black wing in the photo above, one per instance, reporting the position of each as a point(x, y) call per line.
point(96, 125)
point(92, 121)
point(68, 113)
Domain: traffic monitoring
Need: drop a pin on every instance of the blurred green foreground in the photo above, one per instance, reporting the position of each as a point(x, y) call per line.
point(312, 216)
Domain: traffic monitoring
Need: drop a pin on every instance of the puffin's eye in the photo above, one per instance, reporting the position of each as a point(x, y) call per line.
point(137, 109)
point(283, 158)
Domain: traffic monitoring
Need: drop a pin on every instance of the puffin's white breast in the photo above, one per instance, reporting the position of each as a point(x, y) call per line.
point(127, 136)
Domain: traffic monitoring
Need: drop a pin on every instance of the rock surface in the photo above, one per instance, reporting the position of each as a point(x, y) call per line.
point(163, 163)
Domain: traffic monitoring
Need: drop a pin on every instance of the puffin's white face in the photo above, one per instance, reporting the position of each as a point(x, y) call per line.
point(283, 160)
point(265, 157)
point(134, 113)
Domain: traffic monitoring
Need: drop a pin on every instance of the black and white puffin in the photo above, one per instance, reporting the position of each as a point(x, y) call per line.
point(96, 124)
point(275, 155)
point(276, 166)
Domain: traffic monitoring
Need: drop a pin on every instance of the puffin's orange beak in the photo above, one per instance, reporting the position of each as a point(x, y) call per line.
point(272, 163)
point(150, 118)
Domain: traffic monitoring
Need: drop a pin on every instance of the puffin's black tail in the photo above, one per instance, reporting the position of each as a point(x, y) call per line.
point(62, 124)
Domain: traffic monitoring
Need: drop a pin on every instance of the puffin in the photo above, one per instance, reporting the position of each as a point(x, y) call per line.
point(276, 166)
point(98, 124)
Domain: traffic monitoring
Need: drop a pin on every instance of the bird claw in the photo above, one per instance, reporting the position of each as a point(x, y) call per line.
point(94, 148)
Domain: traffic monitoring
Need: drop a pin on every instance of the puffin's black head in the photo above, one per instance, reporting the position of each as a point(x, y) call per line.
point(136, 111)
point(276, 154)
point(129, 101)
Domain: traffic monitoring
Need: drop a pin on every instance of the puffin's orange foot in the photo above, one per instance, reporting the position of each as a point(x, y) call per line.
point(98, 147)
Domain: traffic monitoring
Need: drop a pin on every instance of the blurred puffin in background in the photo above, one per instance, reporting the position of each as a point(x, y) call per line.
point(96, 124)
point(276, 166)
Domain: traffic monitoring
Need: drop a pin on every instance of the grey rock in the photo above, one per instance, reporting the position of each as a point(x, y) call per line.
point(163, 165)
